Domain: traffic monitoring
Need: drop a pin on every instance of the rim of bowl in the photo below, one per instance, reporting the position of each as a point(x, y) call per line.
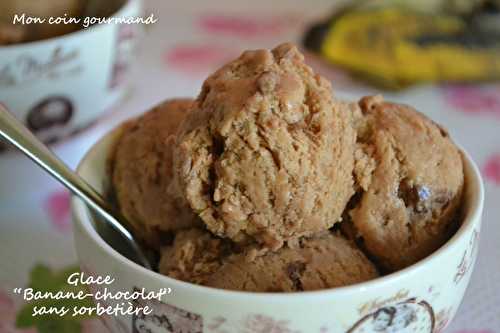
point(471, 220)
point(74, 34)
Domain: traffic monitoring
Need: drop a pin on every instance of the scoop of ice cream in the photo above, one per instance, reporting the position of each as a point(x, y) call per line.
point(194, 255)
point(266, 153)
point(322, 262)
point(410, 178)
point(325, 261)
point(141, 173)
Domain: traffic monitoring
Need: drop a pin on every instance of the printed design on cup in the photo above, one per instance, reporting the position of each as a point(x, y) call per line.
point(467, 258)
point(443, 318)
point(29, 67)
point(124, 52)
point(408, 316)
point(165, 318)
point(49, 119)
point(259, 323)
point(252, 323)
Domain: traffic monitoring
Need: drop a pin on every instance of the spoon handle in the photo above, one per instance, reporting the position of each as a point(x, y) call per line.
point(24, 140)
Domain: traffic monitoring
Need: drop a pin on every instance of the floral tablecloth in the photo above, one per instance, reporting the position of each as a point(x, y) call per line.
point(190, 40)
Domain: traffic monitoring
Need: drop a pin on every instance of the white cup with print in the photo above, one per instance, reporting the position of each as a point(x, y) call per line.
point(60, 86)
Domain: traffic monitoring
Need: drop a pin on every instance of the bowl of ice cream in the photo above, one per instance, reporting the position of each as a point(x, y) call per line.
point(274, 207)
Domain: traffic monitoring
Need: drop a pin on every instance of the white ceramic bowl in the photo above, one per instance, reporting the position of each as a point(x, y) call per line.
point(421, 298)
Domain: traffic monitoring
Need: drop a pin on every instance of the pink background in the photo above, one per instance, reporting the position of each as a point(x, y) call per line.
point(192, 39)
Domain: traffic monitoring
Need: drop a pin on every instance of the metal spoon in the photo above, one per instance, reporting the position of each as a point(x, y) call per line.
point(20, 137)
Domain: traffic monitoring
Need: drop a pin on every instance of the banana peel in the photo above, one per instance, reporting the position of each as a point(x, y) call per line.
point(395, 47)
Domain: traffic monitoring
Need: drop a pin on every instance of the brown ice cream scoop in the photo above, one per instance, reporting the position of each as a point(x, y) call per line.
point(324, 261)
point(141, 173)
point(266, 152)
point(321, 262)
point(410, 178)
point(194, 255)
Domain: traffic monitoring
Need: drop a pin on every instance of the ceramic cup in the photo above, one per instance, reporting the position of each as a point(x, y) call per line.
point(60, 86)
point(421, 298)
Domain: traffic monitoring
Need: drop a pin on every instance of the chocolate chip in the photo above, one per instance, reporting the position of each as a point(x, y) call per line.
point(166, 238)
point(218, 146)
point(346, 226)
point(415, 197)
point(295, 271)
point(354, 201)
point(408, 193)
